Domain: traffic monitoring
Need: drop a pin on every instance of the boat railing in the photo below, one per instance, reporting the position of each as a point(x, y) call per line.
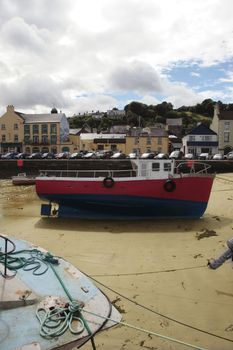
point(192, 167)
point(88, 173)
point(9, 247)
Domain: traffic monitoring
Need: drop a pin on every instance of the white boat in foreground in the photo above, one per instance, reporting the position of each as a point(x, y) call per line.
point(45, 302)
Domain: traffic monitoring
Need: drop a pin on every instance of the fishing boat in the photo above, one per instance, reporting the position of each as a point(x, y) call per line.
point(45, 302)
point(23, 179)
point(149, 189)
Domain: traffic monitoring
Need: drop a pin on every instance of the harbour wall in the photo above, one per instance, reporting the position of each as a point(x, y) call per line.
point(13, 167)
point(33, 167)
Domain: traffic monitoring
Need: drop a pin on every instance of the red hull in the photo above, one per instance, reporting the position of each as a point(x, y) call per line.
point(190, 188)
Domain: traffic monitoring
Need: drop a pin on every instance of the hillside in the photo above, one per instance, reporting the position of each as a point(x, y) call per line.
point(139, 114)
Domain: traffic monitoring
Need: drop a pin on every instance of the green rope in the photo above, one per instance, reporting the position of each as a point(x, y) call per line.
point(54, 322)
point(35, 262)
point(72, 301)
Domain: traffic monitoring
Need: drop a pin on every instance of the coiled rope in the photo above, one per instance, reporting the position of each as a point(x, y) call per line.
point(55, 322)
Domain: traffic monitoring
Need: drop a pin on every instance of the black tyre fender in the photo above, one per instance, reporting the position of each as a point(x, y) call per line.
point(169, 185)
point(108, 182)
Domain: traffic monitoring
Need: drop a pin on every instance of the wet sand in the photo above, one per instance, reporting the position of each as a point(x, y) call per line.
point(161, 265)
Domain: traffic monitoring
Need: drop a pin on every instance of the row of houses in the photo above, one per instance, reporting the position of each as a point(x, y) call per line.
point(51, 133)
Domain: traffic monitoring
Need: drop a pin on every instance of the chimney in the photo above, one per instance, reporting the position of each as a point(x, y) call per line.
point(216, 110)
point(10, 108)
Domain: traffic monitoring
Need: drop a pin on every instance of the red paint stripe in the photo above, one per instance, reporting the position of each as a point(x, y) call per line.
point(187, 188)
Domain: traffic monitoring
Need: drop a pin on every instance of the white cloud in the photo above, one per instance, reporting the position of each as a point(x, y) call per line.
point(137, 76)
point(195, 74)
point(54, 51)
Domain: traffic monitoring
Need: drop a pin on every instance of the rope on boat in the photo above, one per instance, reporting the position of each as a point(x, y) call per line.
point(56, 321)
point(38, 262)
point(73, 308)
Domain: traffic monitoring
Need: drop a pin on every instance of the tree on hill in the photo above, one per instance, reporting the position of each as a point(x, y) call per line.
point(138, 113)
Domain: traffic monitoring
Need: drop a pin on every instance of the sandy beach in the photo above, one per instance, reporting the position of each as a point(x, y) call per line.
point(156, 271)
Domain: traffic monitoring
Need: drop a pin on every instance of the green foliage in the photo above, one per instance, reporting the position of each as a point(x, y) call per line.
point(140, 114)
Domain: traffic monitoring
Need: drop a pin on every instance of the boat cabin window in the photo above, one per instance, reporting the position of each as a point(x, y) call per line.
point(155, 166)
point(167, 166)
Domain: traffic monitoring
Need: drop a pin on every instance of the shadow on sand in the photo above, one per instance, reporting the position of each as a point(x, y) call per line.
point(208, 222)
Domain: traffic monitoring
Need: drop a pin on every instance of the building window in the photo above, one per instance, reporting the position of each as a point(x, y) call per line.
point(53, 128)
point(27, 139)
point(44, 129)
point(3, 138)
point(16, 138)
point(35, 150)
point(207, 138)
point(3, 127)
point(148, 141)
point(44, 139)
point(65, 149)
point(136, 140)
point(26, 129)
point(16, 126)
point(53, 139)
point(27, 150)
point(191, 138)
point(226, 125)
point(205, 150)
point(35, 129)
point(226, 136)
point(35, 139)
point(159, 140)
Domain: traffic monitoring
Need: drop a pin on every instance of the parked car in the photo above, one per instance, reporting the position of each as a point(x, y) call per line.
point(203, 156)
point(104, 154)
point(22, 155)
point(189, 156)
point(90, 155)
point(161, 156)
point(176, 155)
point(36, 155)
point(118, 155)
point(48, 155)
point(147, 155)
point(132, 156)
point(218, 156)
point(76, 155)
point(229, 155)
point(63, 155)
point(10, 155)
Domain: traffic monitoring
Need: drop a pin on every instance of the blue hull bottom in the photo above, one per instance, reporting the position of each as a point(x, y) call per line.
point(105, 207)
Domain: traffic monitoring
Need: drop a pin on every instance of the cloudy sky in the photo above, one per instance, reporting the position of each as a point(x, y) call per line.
point(83, 55)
